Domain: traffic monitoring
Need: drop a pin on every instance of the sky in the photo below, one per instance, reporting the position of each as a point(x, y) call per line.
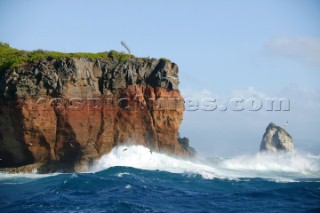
point(224, 49)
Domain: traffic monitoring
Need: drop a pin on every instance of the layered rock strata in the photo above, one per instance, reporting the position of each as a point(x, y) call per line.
point(71, 111)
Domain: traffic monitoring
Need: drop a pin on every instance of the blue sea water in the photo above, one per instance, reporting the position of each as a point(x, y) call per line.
point(131, 179)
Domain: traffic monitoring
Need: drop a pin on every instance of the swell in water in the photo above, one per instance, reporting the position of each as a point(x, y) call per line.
point(132, 179)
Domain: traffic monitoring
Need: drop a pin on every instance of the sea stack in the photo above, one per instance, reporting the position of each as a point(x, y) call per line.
point(276, 139)
point(67, 110)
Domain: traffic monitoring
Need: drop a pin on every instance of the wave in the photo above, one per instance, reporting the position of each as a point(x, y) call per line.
point(284, 167)
point(141, 157)
point(294, 163)
point(280, 167)
point(21, 178)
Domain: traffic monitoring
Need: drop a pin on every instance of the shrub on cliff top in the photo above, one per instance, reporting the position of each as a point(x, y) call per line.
point(119, 55)
point(164, 59)
point(11, 57)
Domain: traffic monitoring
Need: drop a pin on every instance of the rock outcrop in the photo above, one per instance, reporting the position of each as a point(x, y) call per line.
point(71, 111)
point(276, 139)
point(185, 144)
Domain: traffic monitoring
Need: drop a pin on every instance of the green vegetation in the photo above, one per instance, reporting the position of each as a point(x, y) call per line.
point(11, 57)
point(119, 55)
point(165, 59)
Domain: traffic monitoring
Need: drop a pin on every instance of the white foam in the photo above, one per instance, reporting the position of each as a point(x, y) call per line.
point(141, 158)
point(122, 173)
point(290, 163)
point(21, 178)
point(285, 167)
point(5, 176)
point(279, 167)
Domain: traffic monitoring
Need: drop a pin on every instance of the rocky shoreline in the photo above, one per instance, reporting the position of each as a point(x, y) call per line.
point(63, 114)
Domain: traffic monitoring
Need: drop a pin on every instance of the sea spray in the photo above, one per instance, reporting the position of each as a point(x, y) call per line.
point(292, 162)
point(281, 166)
point(140, 157)
point(132, 179)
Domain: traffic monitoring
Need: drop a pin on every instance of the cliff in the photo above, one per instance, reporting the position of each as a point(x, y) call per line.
point(66, 110)
point(276, 139)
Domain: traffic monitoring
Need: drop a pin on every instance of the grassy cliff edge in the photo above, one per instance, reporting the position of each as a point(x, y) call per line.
point(12, 58)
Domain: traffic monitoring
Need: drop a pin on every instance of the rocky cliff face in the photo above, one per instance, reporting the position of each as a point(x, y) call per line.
point(71, 111)
point(276, 139)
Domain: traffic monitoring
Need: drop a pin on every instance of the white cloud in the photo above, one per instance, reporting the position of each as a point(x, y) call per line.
point(304, 99)
point(190, 93)
point(249, 92)
point(303, 49)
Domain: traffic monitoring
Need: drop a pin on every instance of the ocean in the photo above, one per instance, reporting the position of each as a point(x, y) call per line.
point(132, 179)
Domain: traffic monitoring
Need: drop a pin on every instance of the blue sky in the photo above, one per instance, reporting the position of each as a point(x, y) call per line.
point(222, 48)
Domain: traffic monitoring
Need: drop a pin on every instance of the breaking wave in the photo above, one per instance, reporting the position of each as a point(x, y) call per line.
point(132, 179)
point(279, 167)
point(284, 167)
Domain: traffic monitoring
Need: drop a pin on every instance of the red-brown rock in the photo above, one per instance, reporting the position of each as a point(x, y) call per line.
point(73, 111)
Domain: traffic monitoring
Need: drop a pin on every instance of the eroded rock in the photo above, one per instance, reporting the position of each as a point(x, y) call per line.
point(72, 111)
point(276, 139)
